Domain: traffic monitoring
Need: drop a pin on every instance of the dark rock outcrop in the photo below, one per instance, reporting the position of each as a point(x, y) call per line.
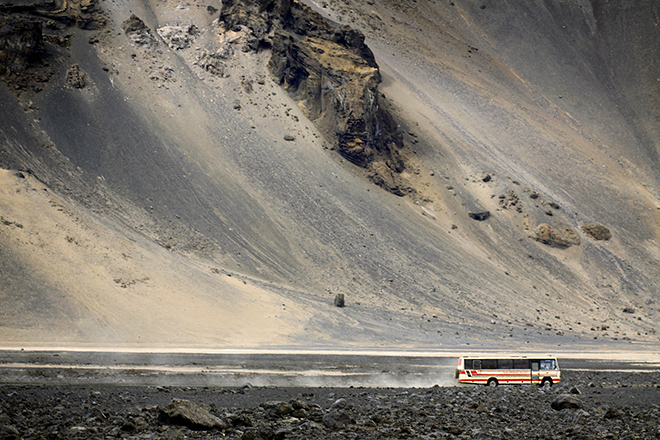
point(21, 45)
point(25, 51)
point(83, 14)
point(332, 74)
point(479, 215)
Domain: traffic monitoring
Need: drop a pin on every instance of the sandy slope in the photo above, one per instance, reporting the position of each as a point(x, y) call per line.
point(164, 178)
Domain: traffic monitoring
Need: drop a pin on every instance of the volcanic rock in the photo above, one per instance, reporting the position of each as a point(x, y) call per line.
point(177, 37)
point(75, 77)
point(83, 14)
point(564, 401)
point(191, 414)
point(337, 419)
point(21, 44)
point(479, 215)
point(548, 235)
point(339, 300)
point(138, 32)
point(597, 231)
point(277, 408)
point(332, 74)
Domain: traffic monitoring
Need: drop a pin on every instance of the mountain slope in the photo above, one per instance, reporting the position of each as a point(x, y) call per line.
point(178, 195)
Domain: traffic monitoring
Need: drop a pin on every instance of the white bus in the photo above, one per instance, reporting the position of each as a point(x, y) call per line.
point(492, 371)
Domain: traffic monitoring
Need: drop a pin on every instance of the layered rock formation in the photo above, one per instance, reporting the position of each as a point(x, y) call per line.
point(332, 74)
point(25, 47)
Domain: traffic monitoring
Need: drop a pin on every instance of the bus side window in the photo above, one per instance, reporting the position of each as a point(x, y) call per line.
point(477, 364)
point(547, 365)
point(505, 364)
point(468, 364)
point(489, 364)
point(521, 364)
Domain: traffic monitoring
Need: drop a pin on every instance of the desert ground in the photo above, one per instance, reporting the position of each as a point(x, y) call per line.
point(314, 395)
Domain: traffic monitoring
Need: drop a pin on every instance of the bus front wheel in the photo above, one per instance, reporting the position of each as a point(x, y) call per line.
point(492, 382)
point(546, 382)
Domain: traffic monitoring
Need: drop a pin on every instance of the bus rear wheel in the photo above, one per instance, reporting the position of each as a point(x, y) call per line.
point(546, 382)
point(492, 382)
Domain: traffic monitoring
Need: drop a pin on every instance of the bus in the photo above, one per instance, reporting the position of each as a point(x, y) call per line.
point(492, 371)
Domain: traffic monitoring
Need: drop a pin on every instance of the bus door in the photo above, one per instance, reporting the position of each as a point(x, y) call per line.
point(535, 372)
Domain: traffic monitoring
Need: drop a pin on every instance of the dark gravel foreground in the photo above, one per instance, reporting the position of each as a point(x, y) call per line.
point(613, 405)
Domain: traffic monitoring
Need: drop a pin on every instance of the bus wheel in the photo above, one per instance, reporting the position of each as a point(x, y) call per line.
point(492, 382)
point(546, 382)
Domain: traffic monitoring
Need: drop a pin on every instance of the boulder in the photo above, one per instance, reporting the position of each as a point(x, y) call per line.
point(596, 231)
point(75, 77)
point(339, 300)
point(564, 401)
point(337, 419)
point(479, 215)
point(277, 408)
point(550, 236)
point(191, 414)
point(138, 32)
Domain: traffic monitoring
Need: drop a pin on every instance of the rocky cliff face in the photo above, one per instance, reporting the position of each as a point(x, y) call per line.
point(32, 32)
point(332, 74)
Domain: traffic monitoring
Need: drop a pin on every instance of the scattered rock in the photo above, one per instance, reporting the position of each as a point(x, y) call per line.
point(75, 77)
point(9, 433)
point(596, 231)
point(191, 414)
point(138, 32)
point(337, 419)
point(339, 300)
point(258, 434)
point(575, 390)
point(214, 62)
point(479, 215)
point(548, 235)
point(579, 417)
point(289, 138)
point(177, 37)
point(277, 408)
point(611, 413)
point(564, 401)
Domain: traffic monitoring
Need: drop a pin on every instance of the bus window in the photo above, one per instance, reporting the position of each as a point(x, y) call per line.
point(505, 364)
point(489, 364)
point(521, 364)
point(548, 364)
point(477, 364)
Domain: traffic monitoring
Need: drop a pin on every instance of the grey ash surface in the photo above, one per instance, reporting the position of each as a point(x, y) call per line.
point(611, 405)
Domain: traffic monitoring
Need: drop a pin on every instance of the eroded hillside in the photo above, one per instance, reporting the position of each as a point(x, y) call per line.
point(214, 174)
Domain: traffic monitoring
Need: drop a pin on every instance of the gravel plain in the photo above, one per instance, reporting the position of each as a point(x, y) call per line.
point(600, 401)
